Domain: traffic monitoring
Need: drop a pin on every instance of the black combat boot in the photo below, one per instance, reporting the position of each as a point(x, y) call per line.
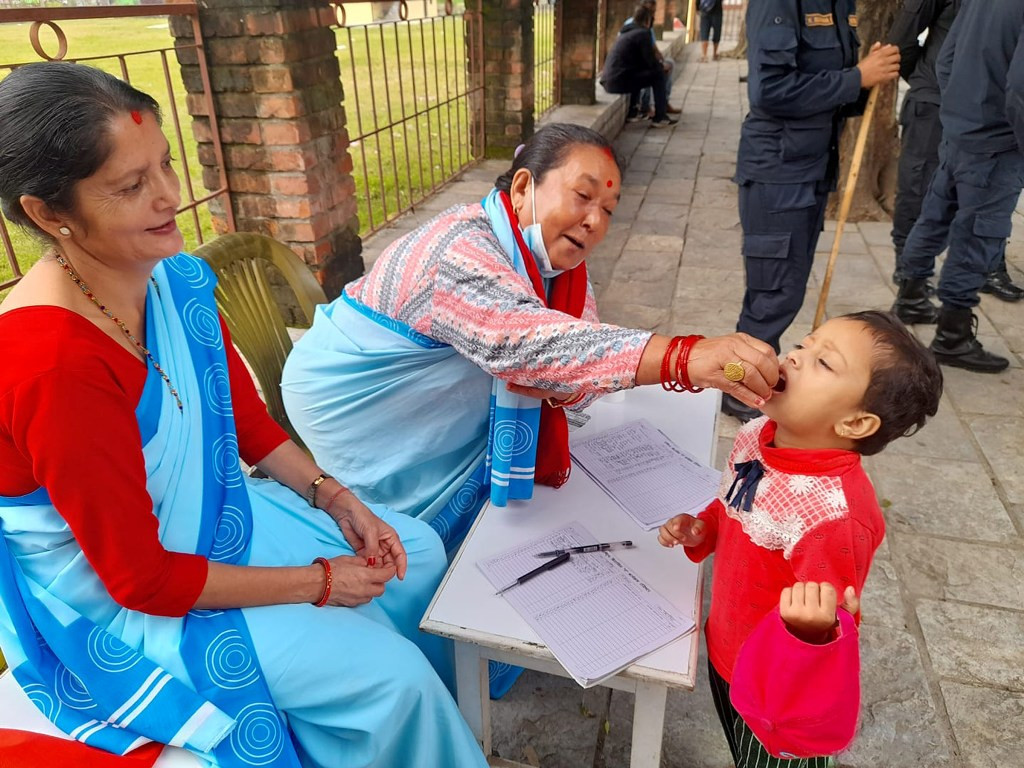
point(956, 342)
point(912, 304)
point(1000, 285)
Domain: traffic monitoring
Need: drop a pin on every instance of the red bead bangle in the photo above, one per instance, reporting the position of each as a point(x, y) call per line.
point(683, 363)
point(668, 382)
point(327, 587)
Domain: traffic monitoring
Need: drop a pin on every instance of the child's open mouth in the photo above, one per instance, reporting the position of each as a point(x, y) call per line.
point(780, 385)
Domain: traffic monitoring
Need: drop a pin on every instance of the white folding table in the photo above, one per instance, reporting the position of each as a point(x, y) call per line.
point(484, 626)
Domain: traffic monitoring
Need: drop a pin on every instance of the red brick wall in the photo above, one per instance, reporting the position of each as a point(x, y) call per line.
point(278, 96)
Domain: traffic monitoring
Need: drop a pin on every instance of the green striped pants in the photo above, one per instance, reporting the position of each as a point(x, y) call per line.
point(747, 751)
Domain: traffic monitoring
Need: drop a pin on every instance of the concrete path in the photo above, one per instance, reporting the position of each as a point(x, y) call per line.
point(943, 631)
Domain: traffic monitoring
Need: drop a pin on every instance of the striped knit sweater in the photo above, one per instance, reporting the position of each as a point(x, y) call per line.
point(451, 280)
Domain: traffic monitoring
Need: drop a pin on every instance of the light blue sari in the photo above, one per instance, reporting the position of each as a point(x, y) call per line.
point(115, 678)
point(406, 421)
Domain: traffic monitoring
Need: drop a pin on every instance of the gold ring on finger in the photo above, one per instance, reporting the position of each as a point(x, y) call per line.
point(734, 371)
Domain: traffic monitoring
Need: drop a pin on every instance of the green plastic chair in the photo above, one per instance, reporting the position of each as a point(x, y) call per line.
point(246, 302)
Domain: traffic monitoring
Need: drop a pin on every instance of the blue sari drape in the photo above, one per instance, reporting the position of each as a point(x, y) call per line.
point(115, 678)
point(405, 420)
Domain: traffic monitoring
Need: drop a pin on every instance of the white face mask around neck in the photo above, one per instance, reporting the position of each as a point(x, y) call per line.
point(534, 239)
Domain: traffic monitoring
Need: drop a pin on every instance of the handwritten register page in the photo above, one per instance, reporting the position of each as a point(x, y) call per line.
point(648, 475)
point(594, 614)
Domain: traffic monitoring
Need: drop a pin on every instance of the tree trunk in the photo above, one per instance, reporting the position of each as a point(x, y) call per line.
point(876, 188)
point(740, 51)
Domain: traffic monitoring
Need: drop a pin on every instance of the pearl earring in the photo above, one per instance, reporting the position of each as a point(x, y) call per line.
point(64, 231)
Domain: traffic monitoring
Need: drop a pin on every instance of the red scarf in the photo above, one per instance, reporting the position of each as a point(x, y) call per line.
point(568, 295)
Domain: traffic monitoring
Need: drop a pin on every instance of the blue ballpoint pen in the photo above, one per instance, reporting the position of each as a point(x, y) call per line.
point(562, 558)
point(587, 548)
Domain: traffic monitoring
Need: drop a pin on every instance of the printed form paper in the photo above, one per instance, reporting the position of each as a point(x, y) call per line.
point(594, 614)
point(645, 473)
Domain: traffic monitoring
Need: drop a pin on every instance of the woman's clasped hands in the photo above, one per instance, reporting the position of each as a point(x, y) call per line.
point(380, 556)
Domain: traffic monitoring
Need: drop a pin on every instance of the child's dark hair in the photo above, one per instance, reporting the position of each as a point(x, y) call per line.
point(906, 381)
point(549, 147)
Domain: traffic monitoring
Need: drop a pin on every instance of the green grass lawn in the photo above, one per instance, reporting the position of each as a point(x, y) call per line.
point(408, 75)
point(412, 77)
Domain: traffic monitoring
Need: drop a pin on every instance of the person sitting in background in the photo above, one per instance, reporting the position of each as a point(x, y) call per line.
point(667, 64)
point(632, 65)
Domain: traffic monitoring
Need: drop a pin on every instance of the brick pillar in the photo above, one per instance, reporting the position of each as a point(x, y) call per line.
point(578, 53)
point(508, 75)
point(664, 16)
point(278, 97)
point(616, 13)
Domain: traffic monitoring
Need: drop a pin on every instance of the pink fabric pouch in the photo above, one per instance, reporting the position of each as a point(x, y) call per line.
point(800, 700)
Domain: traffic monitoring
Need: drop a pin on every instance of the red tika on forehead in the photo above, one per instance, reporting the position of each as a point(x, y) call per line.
point(609, 183)
point(136, 116)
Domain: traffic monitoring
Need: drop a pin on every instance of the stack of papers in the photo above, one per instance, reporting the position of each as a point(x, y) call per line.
point(645, 473)
point(594, 614)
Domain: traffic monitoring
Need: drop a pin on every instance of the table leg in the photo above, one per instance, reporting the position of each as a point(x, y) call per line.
point(648, 725)
point(473, 691)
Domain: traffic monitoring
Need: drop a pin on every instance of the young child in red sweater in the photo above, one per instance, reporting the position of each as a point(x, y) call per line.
point(796, 519)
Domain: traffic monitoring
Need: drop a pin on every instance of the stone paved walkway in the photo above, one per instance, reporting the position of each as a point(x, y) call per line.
point(943, 631)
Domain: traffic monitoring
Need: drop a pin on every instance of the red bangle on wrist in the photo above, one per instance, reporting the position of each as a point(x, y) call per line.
point(683, 363)
point(679, 379)
point(327, 587)
point(668, 382)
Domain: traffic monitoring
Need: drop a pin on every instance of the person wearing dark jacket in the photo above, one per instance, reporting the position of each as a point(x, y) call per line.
point(632, 66)
point(804, 80)
point(922, 132)
point(978, 182)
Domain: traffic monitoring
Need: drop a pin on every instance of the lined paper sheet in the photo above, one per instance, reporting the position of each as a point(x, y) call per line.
point(594, 614)
point(648, 475)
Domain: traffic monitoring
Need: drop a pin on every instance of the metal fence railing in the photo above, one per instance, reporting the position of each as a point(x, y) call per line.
point(545, 56)
point(93, 35)
point(413, 94)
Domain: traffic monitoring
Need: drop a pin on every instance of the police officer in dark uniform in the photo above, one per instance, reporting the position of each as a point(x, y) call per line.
point(919, 119)
point(922, 132)
point(974, 190)
point(804, 79)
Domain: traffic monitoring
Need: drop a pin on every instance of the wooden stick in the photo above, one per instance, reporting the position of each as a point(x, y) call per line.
point(844, 206)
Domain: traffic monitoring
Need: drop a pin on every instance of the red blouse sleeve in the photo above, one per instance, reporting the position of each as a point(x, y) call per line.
point(258, 434)
point(85, 449)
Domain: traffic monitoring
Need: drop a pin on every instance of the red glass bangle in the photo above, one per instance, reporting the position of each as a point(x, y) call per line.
point(683, 363)
point(327, 587)
point(668, 382)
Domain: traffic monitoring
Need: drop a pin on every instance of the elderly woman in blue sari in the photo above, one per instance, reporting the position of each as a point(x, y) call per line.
point(439, 380)
point(148, 590)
